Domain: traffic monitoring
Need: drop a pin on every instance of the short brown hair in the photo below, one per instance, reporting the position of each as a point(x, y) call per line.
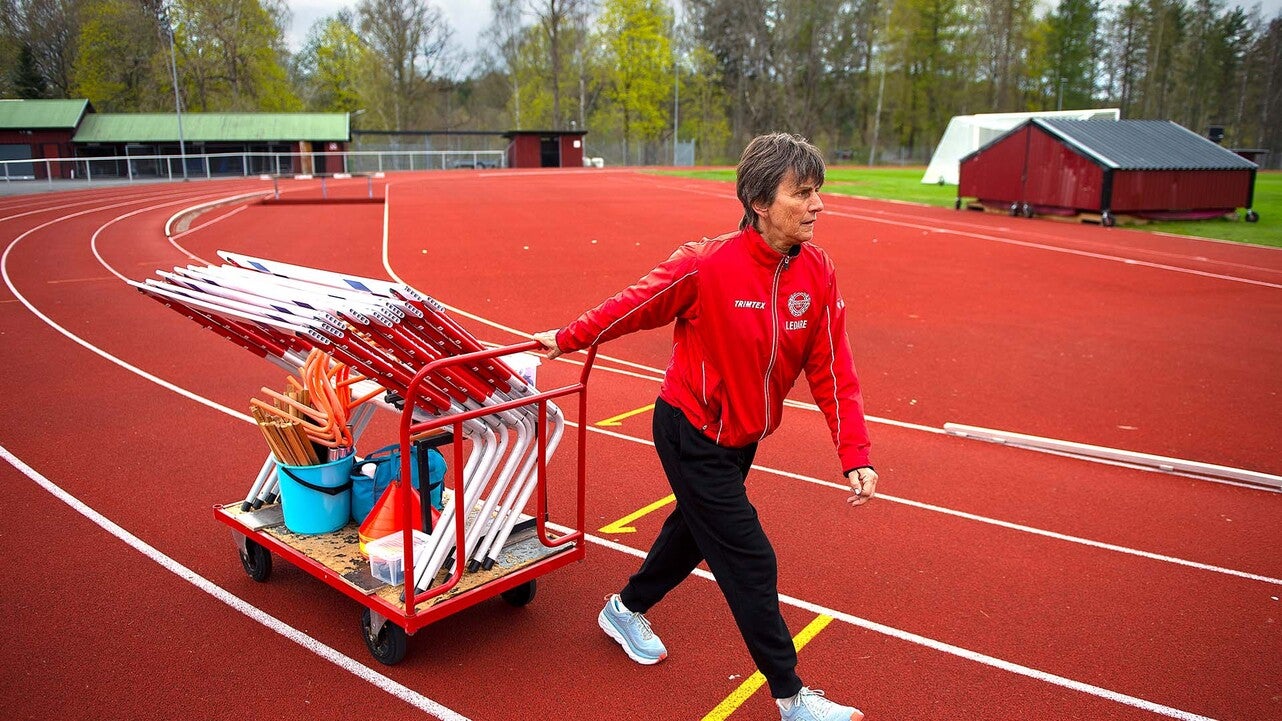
point(766, 161)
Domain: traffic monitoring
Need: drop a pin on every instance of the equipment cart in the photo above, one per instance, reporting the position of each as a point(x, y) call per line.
point(527, 548)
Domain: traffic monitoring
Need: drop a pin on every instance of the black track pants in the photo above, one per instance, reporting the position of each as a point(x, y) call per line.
point(713, 520)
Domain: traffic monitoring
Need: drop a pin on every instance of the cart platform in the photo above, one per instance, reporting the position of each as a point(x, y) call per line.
point(527, 544)
point(339, 553)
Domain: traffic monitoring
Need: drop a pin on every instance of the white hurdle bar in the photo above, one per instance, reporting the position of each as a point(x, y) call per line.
point(1161, 463)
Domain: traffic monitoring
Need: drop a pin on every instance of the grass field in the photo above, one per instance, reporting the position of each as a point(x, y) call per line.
point(905, 184)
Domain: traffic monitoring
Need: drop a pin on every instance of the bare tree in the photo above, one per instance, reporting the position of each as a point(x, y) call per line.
point(557, 19)
point(410, 40)
point(507, 29)
point(46, 31)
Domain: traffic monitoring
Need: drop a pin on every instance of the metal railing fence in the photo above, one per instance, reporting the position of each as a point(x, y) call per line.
point(224, 165)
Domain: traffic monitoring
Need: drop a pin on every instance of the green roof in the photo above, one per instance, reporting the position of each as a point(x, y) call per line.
point(41, 114)
point(211, 127)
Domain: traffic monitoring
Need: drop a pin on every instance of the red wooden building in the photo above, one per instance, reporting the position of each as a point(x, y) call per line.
point(1144, 168)
point(35, 130)
point(545, 148)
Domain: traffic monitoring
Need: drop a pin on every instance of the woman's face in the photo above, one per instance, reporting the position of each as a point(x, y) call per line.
point(790, 219)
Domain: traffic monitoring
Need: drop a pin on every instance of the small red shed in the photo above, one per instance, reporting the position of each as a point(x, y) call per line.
point(545, 148)
point(1144, 168)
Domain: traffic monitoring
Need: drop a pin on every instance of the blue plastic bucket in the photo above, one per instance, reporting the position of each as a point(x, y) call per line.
point(316, 499)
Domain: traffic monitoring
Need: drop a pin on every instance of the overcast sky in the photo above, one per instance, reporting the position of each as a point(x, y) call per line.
point(469, 18)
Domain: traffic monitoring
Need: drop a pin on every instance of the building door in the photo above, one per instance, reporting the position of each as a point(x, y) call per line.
point(305, 158)
point(550, 152)
point(58, 170)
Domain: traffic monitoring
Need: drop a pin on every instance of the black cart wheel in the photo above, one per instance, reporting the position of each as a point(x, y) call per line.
point(522, 594)
point(1107, 220)
point(1026, 210)
point(957, 204)
point(1252, 216)
point(389, 646)
point(1014, 210)
point(256, 560)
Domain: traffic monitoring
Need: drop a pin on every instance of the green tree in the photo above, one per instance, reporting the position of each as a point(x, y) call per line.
point(1072, 44)
point(1002, 35)
point(802, 31)
point(230, 55)
point(848, 85)
point(1124, 58)
point(1164, 27)
point(28, 83)
point(122, 65)
point(927, 43)
point(328, 67)
point(738, 34)
point(636, 35)
point(1197, 55)
point(703, 107)
point(10, 48)
point(1263, 70)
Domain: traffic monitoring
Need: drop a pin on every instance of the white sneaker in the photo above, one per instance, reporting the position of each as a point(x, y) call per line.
point(810, 705)
point(632, 631)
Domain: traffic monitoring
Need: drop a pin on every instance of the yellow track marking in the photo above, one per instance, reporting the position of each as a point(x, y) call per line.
point(756, 680)
point(621, 525)
point(618, 420)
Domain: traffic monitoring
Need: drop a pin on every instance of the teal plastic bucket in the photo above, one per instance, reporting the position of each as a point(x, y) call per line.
point(316, 499)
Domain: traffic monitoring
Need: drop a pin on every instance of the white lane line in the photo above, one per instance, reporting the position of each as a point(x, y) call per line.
point(983, 519)
point(916, 504)
point(141, 196)
point(1057, 249)
point(93, 239)
point(347, 663)
point(880, 628)
point(656, 377)
point(942, 647)
point(991, 661)
point(173, 240)
point(862, 215)
point(169, 224)
point(343, 661)
point(4, 272)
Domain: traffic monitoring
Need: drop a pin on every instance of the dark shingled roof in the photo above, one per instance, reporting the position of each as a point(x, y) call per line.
point(1143, 145)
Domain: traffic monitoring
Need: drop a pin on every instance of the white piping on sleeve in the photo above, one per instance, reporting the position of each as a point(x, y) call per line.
point(832, 371)
point(639, 306)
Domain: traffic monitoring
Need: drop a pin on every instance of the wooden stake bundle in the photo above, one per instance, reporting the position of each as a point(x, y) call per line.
point(287, 439)
point(321, 403)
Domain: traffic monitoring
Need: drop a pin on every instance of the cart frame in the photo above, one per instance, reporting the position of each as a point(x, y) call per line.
point(408, 615)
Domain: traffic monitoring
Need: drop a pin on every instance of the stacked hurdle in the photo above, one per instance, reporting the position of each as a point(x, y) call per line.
point(400, 340)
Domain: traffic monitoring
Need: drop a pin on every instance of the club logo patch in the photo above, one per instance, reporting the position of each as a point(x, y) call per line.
point(798, 303)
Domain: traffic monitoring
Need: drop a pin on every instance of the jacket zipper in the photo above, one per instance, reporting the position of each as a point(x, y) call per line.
point(774, 341)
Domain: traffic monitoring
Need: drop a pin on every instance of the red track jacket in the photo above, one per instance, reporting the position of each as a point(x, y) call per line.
point(749, 321)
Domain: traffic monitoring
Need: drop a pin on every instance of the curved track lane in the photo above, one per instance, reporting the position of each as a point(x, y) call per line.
point(1102, 588)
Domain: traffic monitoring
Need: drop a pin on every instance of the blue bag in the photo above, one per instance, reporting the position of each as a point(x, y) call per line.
point(387, 468)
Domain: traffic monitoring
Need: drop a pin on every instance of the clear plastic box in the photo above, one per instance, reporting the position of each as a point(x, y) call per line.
point(526, 365)
point(387, 556)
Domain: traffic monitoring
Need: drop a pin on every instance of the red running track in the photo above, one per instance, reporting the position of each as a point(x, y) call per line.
point(986, 583)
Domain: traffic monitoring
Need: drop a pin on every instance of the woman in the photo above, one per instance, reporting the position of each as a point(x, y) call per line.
point(753, 309)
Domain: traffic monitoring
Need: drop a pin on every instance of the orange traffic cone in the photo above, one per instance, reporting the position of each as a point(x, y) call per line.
point(387, 517)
